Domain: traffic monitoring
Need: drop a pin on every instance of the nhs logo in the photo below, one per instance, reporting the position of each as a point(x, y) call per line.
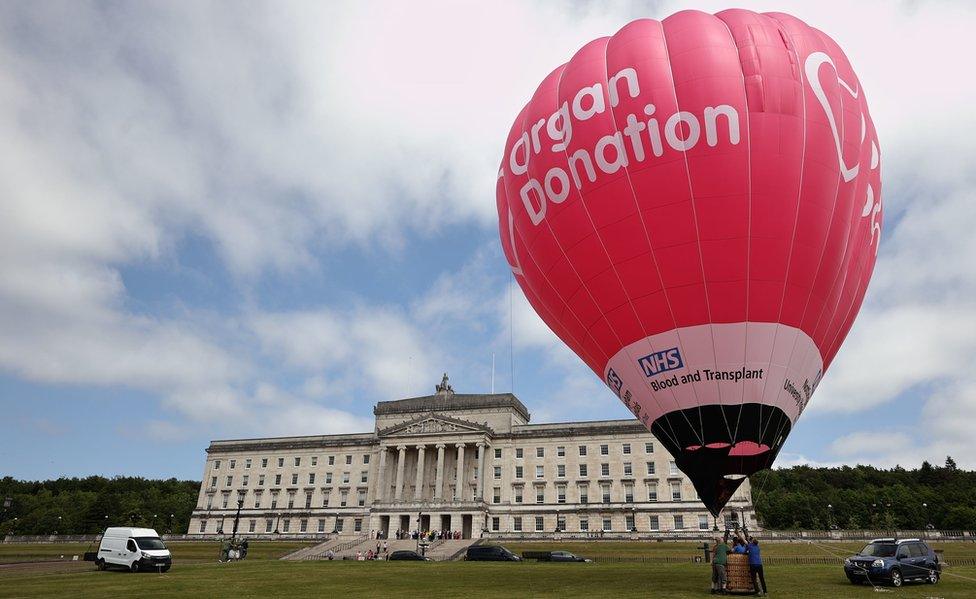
point(661, 361)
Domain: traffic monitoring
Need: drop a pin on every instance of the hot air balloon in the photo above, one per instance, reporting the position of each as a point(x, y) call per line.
point(693, 206)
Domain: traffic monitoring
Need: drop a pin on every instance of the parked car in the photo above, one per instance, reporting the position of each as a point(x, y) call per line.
point(553, 556)
point(407, 555)
point(893, 561)
point(134, 549)
point(490, 553)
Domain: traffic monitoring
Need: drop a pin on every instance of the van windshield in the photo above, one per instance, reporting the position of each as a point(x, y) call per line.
point(150, 543)
point(879, 550)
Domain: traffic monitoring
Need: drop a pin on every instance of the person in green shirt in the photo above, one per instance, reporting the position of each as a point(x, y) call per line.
point(720, 557)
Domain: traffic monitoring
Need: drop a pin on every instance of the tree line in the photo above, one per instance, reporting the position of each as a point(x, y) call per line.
point(89, 505)
point(865, 497)
point(801, 497)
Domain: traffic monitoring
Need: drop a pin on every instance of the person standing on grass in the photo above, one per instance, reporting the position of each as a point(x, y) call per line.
point(756, 565)
point(225, 550)
point(720, 558)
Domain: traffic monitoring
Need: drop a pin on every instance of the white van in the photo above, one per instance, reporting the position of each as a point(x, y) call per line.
point(133, 548)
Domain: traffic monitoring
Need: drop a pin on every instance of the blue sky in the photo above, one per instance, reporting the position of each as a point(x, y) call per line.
point(223, 220)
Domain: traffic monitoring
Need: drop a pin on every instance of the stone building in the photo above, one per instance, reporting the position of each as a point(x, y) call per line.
point(469, 463)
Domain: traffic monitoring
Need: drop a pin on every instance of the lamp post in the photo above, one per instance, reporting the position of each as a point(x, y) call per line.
point(830, 516)
point(419, 516)
point(928, 524)
point(237, 517)
point(59, 525)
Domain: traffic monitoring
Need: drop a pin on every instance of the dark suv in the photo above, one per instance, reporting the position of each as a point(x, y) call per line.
point(490, 553)
point(893, 561)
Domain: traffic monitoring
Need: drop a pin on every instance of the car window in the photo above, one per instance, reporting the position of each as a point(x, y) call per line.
point(916, 550)
point(902, 551)
point(879, 550)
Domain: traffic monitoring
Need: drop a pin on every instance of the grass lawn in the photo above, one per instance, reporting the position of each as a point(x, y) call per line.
point(349, 579)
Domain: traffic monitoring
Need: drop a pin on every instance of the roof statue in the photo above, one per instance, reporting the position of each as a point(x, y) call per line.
point(444, 388)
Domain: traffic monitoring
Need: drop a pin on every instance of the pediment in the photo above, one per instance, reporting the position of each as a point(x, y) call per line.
point(433, 424)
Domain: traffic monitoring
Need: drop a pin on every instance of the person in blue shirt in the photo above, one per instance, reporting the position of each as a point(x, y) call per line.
point(756, 565)
point(738, 545)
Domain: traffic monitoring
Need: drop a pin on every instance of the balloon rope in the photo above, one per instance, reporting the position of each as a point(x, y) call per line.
point(511, 329)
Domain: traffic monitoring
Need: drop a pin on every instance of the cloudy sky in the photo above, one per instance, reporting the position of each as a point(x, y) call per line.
point(251, 219)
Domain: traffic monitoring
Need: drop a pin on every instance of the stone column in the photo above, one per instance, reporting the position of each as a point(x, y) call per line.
point(439, 480)
point(481, 471)
point(419, 492)
point(380, 494)
point(401, 459)
point(459, 482)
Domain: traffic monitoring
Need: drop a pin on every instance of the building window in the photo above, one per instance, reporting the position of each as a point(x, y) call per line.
point(518, 494)
point(673, 469)
point(260, 480)
point(517, 524)
point(679, 522)
point(244, 480)
point(303, 525)
point(561, 451)
point(213, 481)
point(652, 491)
point(628, 469)
point(294, 479)
point(291, 501)
point(339, 524)
point(497, 473)
point(209, 501)
point(257, 500)
point(518, 472)
point(203, 526)
point(629, 493)
point(540, 471)
point(604, 450)
point(325, 498)
point(364, 476)
point(561, 494)
point(584, 524)
point(321, 524)
point(345, 478)
point(629, 519)
point(315, 460)
point(233, 464)
point(343, 498)
point(298, 462)
point(277, 480)
point(561, 470)
point(274, 501)
point(650, 468)
point(328, 478)
point(540, 494)
point(361, 498)
point(281, 462)
point(560, 523)
point(285, 525)
point(675, 491)
point(702, 522)
point(518, 453)
point(540, 452)
point(539, 524)
point(308, 501)
point(498, 453)
point(584, 493)
point(331, 460)
point(264, 462)
point(626, 448)
point(495, 523)
point(607, 525)
point(654, 522)
point(582, 470)
point(606, 493)
point(648, 447)
point(268, 524)
point(604, 469)
point(496, 495)
point(311, 478)
point(366, 458)
point(348, 459)
point(247, 464)
point(216, 464)
point(582, 450)
point(357, 525)
point(230, 481)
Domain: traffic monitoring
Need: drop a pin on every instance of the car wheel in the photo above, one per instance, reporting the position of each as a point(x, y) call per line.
point(933, 576)
point(164, 569)
point(896, 579)
point(134, 567)
point(100, 564)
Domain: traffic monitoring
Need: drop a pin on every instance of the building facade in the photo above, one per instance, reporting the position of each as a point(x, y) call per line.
point(459, 462)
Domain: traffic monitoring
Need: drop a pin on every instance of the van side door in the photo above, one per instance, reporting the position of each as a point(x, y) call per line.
point(131, 551)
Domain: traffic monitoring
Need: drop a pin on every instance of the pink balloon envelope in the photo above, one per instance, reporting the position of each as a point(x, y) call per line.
point(693, 206)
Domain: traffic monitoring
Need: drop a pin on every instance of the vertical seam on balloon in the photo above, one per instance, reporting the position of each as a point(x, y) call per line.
point(546, 278)
point(701, 259)
point(748, 136)
point(650, 247)
point(796, 216)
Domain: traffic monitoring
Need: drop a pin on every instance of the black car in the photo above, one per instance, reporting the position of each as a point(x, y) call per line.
point(407, 555)
point(490, 553)
point(894, 561)
point(565, 556)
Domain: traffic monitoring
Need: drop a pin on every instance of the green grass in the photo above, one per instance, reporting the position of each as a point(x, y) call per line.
point(349, 580)
point(183, 552)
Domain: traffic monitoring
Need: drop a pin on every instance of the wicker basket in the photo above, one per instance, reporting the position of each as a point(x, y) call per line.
point(737, 571)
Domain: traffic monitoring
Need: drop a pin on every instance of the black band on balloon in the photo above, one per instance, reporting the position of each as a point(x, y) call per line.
point(700, 439)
